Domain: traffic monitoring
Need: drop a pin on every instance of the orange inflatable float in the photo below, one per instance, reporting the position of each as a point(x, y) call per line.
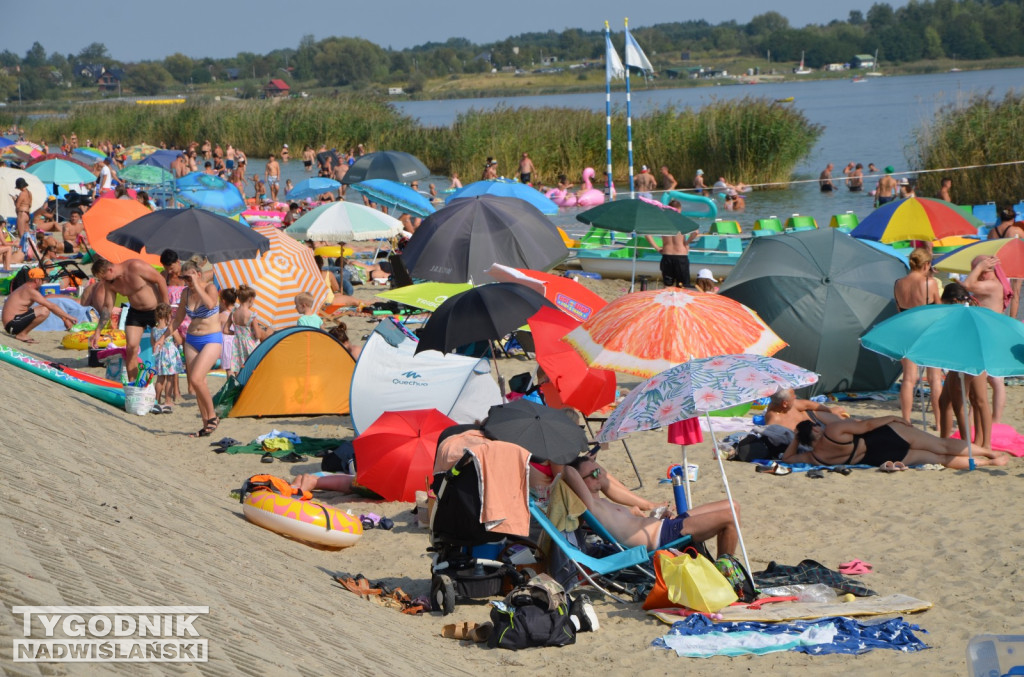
point(273, 504)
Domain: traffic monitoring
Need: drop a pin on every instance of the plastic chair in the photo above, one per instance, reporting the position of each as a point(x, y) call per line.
point(725, 227)
point(771, 224)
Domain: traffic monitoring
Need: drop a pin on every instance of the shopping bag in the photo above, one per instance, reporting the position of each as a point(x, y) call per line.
point(694, 582)
point(138, 400)
point(657, 598)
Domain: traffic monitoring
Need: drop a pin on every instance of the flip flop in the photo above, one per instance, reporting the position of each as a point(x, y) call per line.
point(855, 568)
point(267, 458)
point(815, 474)
point(891, 467)
point(774, 468)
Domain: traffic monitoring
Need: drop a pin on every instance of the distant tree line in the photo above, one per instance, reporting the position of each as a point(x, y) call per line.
point(958, 29)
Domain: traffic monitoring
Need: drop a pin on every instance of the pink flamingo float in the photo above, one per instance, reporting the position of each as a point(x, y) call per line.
point(587, 196)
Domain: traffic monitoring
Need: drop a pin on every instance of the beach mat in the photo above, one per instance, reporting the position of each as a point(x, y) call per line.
point(1004, 438)
point(801, 611)
point(309, 446)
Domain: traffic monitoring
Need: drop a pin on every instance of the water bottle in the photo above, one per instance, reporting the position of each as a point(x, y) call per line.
point(679, 489)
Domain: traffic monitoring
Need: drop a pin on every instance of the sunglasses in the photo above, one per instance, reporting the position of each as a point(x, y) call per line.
point(594, 474)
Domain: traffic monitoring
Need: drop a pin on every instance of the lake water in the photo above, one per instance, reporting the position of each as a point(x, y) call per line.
point(873, 121)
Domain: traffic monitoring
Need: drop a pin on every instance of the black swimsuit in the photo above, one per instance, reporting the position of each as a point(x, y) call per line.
point(880, 445)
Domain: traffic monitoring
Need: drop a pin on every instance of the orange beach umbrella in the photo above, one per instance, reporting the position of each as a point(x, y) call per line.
point(109, 215)
point(287, 269)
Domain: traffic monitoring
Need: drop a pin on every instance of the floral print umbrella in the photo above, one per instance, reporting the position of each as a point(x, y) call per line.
point(700, 386)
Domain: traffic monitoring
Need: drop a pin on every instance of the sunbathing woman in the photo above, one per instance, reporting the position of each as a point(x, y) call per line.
point(885, 442)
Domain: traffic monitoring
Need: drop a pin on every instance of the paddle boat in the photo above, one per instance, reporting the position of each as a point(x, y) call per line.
point(719, 253)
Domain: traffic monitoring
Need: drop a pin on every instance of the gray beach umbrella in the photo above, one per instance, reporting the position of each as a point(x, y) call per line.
point(820, 290)
point(461, 241)
point(392, 165)
point(191, 232)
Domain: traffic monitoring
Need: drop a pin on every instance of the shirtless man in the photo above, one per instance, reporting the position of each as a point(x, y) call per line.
point(339, 172)
point(944, 187)
point(887, 188)
point(526, 170)
point(854, 177)
point(918, 288)
point(675, 255)
point(207, 150)
point(668, 182)
point(644, 183)
point(273, 175)
point(787, 410)
point(587, 479)
point(23, 205)
point(144, 287)
point(698, 183)
point(19, 317)
point(286, 154)
point(990, 293)
point(825, 179)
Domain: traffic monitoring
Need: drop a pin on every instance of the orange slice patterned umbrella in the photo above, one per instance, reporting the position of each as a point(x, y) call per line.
point(108, 215)
point(286, 270)
point(645, 333)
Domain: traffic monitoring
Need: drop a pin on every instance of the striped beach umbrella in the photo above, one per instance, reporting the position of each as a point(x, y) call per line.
point(140, 151)
point(915, 218)
point(1009, 251)
point(287, 269)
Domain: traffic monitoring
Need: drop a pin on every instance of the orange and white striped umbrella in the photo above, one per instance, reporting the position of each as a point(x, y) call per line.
point(645, 333)
point(286, 270)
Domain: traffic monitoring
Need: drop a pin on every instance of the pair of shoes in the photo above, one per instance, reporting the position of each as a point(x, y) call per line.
point(292, 457)
point(891, 466)
point(842, 470)
point(208, 428)
point(583, 616)
point(774, 468)
point(855, 568)
point(358, 585)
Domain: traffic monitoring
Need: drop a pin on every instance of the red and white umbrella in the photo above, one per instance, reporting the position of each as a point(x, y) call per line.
point(286, 270)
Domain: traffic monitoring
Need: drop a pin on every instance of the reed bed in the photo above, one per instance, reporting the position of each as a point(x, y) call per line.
point(983, 131)
point(753, 140)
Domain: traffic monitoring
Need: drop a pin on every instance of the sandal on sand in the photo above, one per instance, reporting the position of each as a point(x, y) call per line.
point(815, 474)
point(466, 630)
point(890, 467)
point(208, 428)
point(166, 409)
point(774, 468)
point(855, 568)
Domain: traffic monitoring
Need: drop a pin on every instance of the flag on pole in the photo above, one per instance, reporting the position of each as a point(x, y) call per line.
point(613, 69)
point(635, 57)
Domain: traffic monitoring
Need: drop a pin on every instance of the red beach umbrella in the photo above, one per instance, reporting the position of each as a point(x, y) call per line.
point(395, 455)
point(570, 296)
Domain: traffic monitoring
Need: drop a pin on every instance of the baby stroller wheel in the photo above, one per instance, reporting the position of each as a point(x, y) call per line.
point(442, 594)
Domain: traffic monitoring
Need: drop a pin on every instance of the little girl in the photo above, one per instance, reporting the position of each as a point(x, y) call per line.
point(248, 332)
point(227, 306)
point(168, 360)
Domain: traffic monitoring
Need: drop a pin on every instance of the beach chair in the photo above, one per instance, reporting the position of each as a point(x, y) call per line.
point(720, 227)
point(585, 564)
point(599, 529)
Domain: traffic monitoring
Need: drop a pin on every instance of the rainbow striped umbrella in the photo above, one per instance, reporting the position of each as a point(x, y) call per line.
point(287, 269)
point(1009, 251)
point(915, 218)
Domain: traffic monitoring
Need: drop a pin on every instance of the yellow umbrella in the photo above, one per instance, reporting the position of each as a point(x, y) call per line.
point(287, 269)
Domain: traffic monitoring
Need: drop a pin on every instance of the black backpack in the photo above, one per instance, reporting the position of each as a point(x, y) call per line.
point(533, 614)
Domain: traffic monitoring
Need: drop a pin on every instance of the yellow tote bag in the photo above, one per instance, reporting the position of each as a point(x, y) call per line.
point(694, 582)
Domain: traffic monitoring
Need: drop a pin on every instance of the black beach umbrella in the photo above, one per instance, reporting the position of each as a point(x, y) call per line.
point(459, 242)
point(191, 232)
point(820, 291)
point(546, 433)
point(392, 165)
point(483, 313)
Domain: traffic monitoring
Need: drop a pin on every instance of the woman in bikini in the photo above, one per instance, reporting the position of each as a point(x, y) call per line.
point(203, 342)
point(918, 288)
point(1008, 225)
point(887, 442)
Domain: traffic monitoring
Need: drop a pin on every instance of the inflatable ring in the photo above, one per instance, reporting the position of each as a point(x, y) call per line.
point(79, 340)
point(333, 252)
point(306, 521)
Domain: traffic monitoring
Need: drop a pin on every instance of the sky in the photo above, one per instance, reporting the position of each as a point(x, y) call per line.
point(150, 30)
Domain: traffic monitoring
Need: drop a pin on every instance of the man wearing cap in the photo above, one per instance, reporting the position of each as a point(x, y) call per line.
point(19, 316)
point(23, 205)
point(887, 188)
point(645, 183)
point(698, 183)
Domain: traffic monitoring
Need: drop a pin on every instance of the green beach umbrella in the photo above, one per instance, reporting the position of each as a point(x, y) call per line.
point(146, 175)
point(426, 296)
point(61, 172)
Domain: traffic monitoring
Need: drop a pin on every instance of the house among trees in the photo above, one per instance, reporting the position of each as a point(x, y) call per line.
point(110, 81)
point(863, 61)
point(276, 88)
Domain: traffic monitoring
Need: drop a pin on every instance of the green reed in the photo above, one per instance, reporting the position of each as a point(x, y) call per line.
point(982, 131)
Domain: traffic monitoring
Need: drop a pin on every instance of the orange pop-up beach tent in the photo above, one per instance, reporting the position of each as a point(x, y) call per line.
point(109, 215)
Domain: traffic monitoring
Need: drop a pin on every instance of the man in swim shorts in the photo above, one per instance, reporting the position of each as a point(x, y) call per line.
point(526, 169)
point(675, 255)
point(144, 288)
point(273, 174)
point(887, 188)
point(585, 477)
point(19, 315)
point(644, 183)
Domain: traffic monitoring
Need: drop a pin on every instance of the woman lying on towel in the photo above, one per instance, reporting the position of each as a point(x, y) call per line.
point(880, 441)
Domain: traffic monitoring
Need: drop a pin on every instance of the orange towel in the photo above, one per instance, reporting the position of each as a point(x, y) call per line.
point(503, 474)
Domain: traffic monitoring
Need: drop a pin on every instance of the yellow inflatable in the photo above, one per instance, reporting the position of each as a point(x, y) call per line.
point(569, 242)
point(333, 252)
point(79, 340)
point(303, 520)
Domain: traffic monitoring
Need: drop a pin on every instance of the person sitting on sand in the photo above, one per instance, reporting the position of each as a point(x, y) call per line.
point(19, 315)
point(339, 482)
point(702, 522)
point(887, 442)
point(787, 410)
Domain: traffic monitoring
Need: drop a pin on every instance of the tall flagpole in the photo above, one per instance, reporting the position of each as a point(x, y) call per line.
point(629, 126)
point(608, 110)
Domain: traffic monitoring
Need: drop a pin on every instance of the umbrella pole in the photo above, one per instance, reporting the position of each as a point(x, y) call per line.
point(686, 476)
point(632, 278)
point(728, 493)
point(494, 361)
point(966, 406)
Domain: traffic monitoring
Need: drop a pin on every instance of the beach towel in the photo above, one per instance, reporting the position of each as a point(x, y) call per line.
point(505, 498)
point(698, 637)
point(70, 306)
point(1005, 281)
point(309, 446)
point(1004, 438)
point(808, 571)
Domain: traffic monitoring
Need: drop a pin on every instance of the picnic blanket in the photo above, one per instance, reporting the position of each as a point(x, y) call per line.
point(309, 446)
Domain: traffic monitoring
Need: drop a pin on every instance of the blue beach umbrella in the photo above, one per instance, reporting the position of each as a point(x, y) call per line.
point(395, 195)
point(4, 141)
point(506, 188)
point(209, 192)
point(312, 188)
point(61, 171)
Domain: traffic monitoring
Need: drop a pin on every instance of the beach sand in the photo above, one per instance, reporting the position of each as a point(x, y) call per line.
point(102, 508)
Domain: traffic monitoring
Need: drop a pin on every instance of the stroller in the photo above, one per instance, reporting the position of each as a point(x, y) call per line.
point(468, 560)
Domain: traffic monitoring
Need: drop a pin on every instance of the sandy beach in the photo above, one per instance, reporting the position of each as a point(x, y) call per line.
point(102, 508)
